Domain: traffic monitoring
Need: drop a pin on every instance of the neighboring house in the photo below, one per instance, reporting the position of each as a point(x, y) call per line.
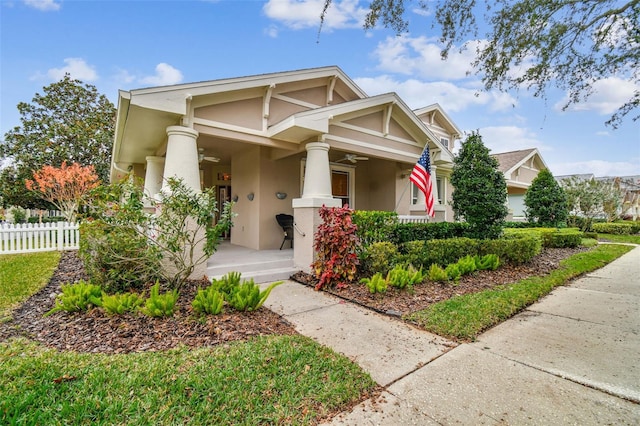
point(520, 168)
point(629, 187)
point(285, 142)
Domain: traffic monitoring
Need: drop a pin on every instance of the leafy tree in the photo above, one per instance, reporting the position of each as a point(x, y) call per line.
point(567, 44)
point(546, 201)
point(480, 190)
point(593, 198)
point(69, 122)
point(64, 187)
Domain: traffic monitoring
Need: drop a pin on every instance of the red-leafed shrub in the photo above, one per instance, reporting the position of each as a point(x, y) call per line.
point(335, 243)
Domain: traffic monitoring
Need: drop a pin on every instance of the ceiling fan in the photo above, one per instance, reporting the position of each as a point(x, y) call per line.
point(202, 157)
point(352, 158)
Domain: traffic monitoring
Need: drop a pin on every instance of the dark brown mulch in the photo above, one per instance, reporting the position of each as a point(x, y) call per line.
point(96, 331)
point(400, 302)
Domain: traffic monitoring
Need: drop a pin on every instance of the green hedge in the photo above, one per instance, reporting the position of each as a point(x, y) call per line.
point(46, 219)
point(516, 250)
point(374, 226)
point(613, 228)
point(405, 232)
point(549, 237)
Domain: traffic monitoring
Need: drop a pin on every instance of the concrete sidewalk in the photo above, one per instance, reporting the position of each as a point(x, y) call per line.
point(572, 358)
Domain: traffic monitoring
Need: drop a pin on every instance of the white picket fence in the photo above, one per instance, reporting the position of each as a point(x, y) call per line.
point(34, 237)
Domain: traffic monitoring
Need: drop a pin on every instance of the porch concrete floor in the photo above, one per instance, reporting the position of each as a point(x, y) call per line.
point(232, 255)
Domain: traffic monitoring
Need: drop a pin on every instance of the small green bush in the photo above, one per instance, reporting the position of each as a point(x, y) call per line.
point(375, 284)
point(402, 278)
point(119, 303)
point(228, 284)
point(208, 301)
point(77, 297)
point(453, 272)
point(467, 265)
point(612, 228)
point(488, 262)
point(160, 305)
point(248, 297)
point(379, 257)
point(592, 235)
point(437, 273)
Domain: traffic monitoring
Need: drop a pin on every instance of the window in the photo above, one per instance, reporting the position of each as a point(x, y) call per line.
point(340, 185)
point(445, 142)
point(342, 182)
point(440, 189)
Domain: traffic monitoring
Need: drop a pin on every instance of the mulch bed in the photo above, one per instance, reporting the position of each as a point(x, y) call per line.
point(96, 331)
point(401, 302)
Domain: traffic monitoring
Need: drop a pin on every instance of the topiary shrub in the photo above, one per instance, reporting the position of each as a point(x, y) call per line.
point(545, 201)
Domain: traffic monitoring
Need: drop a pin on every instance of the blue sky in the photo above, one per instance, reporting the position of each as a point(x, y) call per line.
point(122, 44)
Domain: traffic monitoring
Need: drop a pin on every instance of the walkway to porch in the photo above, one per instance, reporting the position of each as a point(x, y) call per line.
point(261, 265)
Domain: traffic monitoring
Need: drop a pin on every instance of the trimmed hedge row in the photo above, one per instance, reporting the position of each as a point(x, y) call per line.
point(405, 232)
point(516, 250)
point(619, 228)
point(550, 237)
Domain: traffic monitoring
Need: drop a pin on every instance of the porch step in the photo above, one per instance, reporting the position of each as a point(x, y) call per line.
point(261, 272)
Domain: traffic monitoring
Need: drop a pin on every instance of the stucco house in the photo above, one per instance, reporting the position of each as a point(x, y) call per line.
point(520, 168)
point(286, 142)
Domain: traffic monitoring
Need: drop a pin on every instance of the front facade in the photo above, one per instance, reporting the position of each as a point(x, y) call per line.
point(520, 168)
point(284, 143)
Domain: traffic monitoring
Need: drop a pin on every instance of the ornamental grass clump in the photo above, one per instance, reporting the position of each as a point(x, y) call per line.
point(160, 305)
point(208, 301)
point(248, 297)
point(376, 284)
point(437, 273)
point(77, 297)
point(120, 303)
point(401, 277)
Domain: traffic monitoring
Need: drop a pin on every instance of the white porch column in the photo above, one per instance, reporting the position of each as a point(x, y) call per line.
point(182, 157)
point(153, 177)
point(315, 193)
point(182, 162)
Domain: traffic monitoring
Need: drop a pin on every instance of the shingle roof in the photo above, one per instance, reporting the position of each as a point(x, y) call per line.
point(509, 159)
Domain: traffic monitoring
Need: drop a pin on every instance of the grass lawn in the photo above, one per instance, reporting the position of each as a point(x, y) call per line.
point(632, 239)
point(21, 275)
point(465, 317)
point(266, 380)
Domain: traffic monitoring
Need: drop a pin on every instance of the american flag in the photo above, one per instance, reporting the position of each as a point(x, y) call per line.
point(421, 177)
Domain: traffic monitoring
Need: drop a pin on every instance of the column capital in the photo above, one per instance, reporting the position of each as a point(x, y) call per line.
point(182, 130)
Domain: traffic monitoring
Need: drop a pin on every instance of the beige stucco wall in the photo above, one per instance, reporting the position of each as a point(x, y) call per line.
point(245, 174)
point(245, 113)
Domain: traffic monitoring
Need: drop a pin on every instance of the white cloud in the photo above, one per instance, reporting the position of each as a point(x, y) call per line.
point(510, 138)
point(271, 31)
point(418, 94)
point(165, 75)
point(598, 167)
point(608, 95)
point(76, 68)
point(43, 5)
point(299, 14)
point(420, 56)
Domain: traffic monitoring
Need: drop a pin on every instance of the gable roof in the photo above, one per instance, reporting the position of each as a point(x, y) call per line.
point(510, 161)
point(435, 111)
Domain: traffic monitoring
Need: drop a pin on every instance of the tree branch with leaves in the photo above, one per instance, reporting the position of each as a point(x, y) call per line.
point(536, 44)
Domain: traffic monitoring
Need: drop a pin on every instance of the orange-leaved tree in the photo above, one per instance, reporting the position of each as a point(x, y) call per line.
point(64, 186)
